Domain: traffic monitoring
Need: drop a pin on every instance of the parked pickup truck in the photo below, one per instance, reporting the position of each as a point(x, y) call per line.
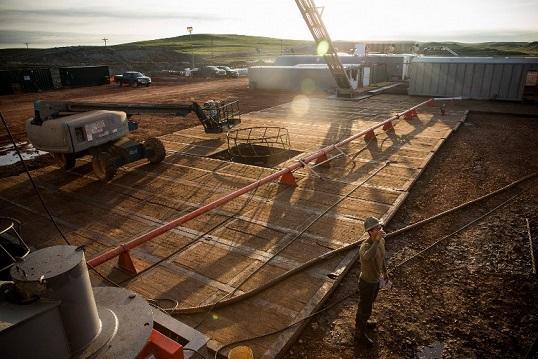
point(134, 78)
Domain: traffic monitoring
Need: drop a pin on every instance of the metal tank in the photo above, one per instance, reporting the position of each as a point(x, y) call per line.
point(60, 273)
point(49, 311)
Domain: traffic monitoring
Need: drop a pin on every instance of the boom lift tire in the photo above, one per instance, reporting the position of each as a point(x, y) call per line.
point(103, 166)
point(154, 150)
point(66, 160)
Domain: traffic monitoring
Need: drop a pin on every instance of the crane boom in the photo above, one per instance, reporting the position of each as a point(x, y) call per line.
point(315, 24)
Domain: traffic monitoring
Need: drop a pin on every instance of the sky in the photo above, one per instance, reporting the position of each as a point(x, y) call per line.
point(54, 23)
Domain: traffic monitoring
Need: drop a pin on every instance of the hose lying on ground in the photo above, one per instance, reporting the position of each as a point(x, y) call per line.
point(331, 254)
point(392, 270)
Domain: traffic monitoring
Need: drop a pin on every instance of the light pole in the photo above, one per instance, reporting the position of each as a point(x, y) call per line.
point(189, 29)
point(105, 40)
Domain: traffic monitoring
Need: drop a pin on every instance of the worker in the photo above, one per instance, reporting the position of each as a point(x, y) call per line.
point(372, 258)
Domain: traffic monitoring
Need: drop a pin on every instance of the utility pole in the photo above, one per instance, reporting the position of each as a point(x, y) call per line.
point(26, 45)
point(189, 29)
point(105, 40)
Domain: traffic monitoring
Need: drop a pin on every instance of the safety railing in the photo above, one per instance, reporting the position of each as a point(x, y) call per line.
point(285, 175)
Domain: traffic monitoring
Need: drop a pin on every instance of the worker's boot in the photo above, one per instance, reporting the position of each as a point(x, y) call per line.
point(371, 324)
point(362, 338)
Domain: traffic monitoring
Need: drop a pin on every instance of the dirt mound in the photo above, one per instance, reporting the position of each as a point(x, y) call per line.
point(118, 58)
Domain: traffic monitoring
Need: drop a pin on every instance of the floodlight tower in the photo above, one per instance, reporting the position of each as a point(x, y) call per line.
point(189, 29)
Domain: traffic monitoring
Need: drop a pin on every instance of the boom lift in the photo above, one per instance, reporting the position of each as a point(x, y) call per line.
point(345, 86)
point(70, 130)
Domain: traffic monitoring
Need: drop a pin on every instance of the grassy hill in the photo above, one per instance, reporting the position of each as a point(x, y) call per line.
point(230, 48)
point(490, 48)
point(175, 53)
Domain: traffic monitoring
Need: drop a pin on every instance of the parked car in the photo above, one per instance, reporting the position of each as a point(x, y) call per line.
point(135, 78)
point(210, 71)
point(242, 71)
point(229, 72)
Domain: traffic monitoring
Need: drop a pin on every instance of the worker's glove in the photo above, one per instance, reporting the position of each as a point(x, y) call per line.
point(385, 283)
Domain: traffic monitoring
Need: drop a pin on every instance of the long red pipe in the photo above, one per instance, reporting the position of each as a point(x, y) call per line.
point(124, 247)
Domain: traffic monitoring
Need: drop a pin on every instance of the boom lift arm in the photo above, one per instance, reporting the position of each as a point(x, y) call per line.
point(69, 130)
point(213, 115)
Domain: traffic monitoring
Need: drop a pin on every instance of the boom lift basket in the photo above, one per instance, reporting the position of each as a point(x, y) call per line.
point(217, 116)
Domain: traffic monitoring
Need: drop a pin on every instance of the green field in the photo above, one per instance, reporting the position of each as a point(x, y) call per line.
point(490, 48)
point(236, 50)
point(230, 48)
point(233, 48)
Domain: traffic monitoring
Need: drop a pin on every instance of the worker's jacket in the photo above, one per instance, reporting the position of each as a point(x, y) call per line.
point(372, 257)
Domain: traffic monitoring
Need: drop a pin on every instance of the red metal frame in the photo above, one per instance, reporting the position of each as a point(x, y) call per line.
point(284, 174)
point(388, 126)
point(288, 179)
point(370, 135)
point(161, 347)
point(322, 159)
point(410, 114)
point(125, 263)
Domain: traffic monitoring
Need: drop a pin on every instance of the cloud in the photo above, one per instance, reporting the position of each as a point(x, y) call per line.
point(94, 13)
point(14, 38)
point(484, 36)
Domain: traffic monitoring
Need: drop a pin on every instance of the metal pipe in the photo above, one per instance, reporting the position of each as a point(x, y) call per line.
point(323, 257)
point(533, 262)
point(424, 221)
point(124, 247)
point(60, 273)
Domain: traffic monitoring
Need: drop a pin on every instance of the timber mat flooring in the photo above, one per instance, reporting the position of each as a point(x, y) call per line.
point(203, 260)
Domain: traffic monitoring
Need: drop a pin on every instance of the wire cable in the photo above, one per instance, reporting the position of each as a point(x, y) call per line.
point(185, 246)
point(401, 264)
point(51, 217)
point(32, 180)
point(223, 301)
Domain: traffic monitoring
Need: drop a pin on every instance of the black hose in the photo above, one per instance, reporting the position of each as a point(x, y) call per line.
point(32, 180)
point(354, 292)
point(323, 257)
point(221, 302)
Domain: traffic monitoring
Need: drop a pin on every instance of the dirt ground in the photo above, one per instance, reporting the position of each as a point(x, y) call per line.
point(472, 295)
point(17, 108)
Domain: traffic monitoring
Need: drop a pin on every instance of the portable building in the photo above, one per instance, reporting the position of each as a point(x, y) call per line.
point(384, 67)
point(6, 84)
point(481, 78)
point(395, 67)
point(34, 80)
point(25, 79)
point(306, 77)
point(78, 76)
point(292, 60)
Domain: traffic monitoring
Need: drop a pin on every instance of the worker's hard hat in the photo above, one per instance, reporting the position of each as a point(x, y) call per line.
point(371, 223)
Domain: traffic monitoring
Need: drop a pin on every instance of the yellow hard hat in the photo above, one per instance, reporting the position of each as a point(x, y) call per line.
point(241, 352)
